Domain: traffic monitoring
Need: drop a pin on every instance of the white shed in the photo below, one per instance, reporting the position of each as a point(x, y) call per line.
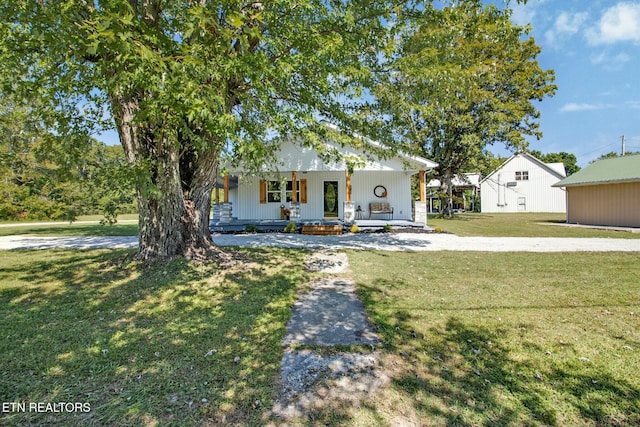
point(523, 184)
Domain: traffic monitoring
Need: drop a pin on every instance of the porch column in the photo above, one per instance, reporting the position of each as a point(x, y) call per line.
point(226, 188)
point(348, 185)
point(294, 186)
point(420, 206)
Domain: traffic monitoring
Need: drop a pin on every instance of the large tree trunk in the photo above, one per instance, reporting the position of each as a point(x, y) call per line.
point(173, 190)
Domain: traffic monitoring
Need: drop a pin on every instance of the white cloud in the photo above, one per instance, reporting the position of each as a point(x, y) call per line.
point(610, 62)
point(619, 23)
point(566, 24)
point(571, 107)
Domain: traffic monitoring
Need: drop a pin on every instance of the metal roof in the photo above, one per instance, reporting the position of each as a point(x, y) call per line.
point(606, 171)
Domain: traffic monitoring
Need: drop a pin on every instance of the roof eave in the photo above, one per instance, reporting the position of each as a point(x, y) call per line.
point(592, 183)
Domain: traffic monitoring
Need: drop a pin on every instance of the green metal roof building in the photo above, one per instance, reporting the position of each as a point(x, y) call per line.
point(606, 192)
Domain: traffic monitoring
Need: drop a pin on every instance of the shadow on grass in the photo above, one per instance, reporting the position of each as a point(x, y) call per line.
point(172, 344)
point(458, 373)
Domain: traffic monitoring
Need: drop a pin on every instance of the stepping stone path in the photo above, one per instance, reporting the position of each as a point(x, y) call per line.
point(329, 314)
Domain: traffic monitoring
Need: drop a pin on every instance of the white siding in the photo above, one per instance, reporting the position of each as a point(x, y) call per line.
point(398, 185)
point(536, 192)
point(246, 200)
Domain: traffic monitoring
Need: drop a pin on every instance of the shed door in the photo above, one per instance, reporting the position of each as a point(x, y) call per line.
point(522, 204)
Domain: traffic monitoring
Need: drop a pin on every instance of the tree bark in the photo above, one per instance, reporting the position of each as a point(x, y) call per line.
point(173, 191)
point(446, 187)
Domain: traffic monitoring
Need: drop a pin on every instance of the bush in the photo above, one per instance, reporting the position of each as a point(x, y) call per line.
point(354, 228)
point(291, 228)
point(251, 228)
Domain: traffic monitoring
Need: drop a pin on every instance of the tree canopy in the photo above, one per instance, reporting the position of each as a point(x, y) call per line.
point(461, 78)
point(187, 83)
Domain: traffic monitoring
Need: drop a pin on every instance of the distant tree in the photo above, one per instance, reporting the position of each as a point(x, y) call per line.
point(463, 77)
point(41, 181)
point(615, 154)
point(570, 161)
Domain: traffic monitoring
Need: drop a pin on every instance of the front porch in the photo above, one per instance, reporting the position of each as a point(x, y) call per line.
point(276, 226)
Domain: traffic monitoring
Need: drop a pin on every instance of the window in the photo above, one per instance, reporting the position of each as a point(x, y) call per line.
point(282, 191)
point(274, 194)
point(289, 195)
point(522, 176)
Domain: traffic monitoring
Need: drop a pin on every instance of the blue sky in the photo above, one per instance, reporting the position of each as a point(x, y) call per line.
point(594, 48)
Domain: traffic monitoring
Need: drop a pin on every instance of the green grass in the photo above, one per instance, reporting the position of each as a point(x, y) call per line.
point(524, 339)
point(64, 230)
point(518, 225)
point(143, 345)
point(519, 339)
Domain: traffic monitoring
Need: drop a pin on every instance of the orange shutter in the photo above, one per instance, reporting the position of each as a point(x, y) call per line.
point(263, 191)
point(303, 191)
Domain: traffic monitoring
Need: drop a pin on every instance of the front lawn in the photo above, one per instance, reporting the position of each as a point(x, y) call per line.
point(519, 339)
point(518, 225)
point(172, 344)
point(523, 339)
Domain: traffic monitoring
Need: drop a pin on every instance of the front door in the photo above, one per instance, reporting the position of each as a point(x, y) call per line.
point(331, 199)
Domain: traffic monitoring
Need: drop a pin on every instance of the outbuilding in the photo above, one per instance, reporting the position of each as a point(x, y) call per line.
point(523, 184)
point(606, 192)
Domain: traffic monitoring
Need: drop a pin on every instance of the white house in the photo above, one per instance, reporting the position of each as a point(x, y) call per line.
point(321, 189)
point(523, 184)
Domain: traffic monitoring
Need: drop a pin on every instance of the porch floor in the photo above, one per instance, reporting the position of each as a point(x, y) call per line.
point(276, 225)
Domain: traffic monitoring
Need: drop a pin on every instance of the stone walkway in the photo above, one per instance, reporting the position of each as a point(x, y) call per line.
point(328, 315)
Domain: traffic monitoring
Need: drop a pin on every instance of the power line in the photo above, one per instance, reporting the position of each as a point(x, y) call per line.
point(597, 149)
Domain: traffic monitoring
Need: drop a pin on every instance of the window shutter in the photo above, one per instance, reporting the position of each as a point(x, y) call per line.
point(263, 191)
point(303, 191)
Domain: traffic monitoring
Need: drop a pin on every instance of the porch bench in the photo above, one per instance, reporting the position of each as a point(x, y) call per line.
point(380, 208)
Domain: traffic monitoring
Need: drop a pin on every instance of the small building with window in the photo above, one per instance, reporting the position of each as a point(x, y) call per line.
point(523, 184)
point(304, 186)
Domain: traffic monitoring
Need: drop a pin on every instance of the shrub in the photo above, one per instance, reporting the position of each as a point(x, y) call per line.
point(387, 227)
point(251, 228)
point(291, 227)
point(354, 228)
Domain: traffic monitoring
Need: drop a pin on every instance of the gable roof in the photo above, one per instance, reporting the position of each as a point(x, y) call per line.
point(606, 171)
point(294, 156)
point(555, 169)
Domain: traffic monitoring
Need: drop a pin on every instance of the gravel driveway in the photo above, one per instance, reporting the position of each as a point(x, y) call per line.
point(369, 241)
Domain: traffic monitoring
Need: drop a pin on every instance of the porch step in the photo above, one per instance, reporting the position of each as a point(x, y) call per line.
point(322, 230)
